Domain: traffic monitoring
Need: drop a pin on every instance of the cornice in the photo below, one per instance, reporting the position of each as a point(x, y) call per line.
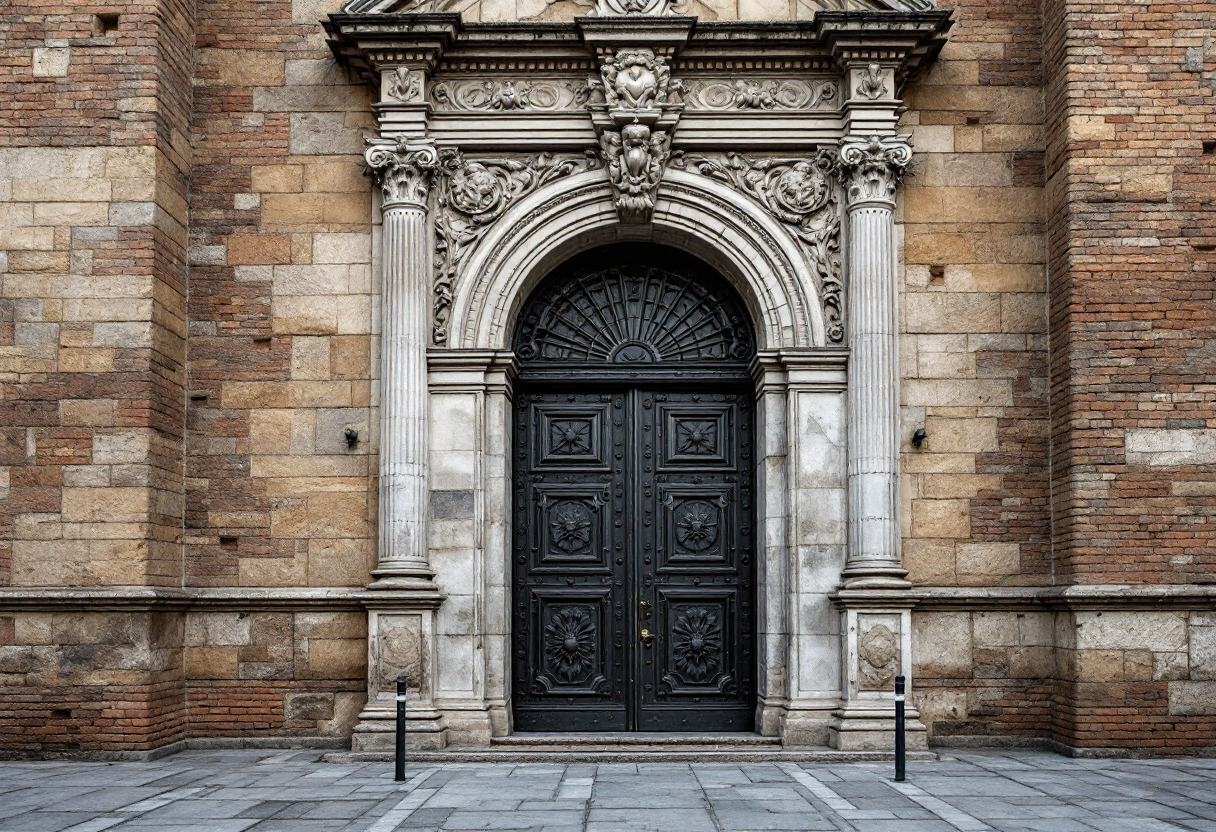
point(133, 598)
point(908, 40)
point(1077, 597)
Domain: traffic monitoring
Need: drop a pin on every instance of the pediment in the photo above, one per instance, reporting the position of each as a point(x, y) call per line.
point(474, 10)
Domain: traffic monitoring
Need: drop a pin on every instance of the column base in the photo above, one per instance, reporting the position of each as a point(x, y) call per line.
point(425, 730)
point(872, 728)
point(806, 724)
point(865, 576)
point(410, 578)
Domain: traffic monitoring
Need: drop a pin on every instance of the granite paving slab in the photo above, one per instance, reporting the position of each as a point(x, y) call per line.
point(296, 791)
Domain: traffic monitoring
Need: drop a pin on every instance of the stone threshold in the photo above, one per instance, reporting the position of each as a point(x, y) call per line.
point(611, 747)
point(630, 739)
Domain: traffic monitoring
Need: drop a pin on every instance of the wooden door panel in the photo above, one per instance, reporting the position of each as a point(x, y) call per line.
point(633, 569)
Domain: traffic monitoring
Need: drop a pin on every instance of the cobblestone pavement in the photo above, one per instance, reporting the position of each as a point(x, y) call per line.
point(231, 791)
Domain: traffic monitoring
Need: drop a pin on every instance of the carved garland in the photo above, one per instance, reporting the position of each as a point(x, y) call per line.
point(508, 95)
point(802, 194)
point(766, 94)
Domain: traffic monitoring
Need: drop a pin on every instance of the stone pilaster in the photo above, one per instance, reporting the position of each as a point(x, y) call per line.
point(402, 170)
point(871, 169)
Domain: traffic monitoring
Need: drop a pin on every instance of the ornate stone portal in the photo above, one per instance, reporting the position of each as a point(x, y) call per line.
point(768, 149)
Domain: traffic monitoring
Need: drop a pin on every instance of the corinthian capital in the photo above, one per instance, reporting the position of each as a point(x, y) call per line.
point(871, 168)
point(402, 168)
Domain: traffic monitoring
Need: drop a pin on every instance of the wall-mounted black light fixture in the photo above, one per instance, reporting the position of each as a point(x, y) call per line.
point(919, 436)
point(352, 437)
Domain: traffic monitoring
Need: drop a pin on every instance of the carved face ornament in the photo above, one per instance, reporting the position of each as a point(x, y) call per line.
point(801, 189)
point(475, 190)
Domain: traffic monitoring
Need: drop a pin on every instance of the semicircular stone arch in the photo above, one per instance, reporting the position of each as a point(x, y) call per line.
point(637, 304)
point(693, 213)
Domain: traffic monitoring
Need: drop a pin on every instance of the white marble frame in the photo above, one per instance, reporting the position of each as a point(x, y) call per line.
point(800, 476)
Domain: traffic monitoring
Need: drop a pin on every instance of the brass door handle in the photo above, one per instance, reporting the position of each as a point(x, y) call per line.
point(647, 637)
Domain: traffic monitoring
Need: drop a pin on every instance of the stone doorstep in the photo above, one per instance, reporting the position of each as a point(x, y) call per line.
point(606, 739)
point(687, 752)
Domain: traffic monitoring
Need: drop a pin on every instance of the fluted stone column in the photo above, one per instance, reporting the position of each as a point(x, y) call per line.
point(871, 169)
point(402, 169)
point(876, 600)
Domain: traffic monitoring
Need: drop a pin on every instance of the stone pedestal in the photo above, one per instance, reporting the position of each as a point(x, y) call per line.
point(877, 629)
point(400, 642)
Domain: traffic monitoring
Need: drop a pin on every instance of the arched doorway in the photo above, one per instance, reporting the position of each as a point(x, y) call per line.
point(633, 546)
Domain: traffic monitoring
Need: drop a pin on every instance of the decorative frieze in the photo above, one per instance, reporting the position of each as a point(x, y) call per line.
point(471, 195)
point(546, 95)
point(802, 194)
point(760, 94)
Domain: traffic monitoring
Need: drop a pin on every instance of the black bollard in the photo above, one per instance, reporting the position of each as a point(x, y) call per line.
point(899, 729)
point(399, 757)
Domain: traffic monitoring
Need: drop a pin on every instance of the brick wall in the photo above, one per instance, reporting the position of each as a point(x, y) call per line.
point(280, 307)
point(94, 168)
point(1132, 318)
point(275, 673)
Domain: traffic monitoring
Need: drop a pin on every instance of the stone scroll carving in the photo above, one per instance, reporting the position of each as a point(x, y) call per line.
point(872, 167)
point(634, 105)
point(871, 84)
point(508, 95)
point(405, 85)
point(760, 94)
point(472, 195)
point(401, 168)
point(802, 194)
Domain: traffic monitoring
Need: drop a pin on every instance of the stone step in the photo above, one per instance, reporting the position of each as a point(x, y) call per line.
point(603, 740)
point(672, 751)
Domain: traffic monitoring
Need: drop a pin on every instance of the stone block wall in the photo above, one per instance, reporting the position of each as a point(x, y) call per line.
point(280, 366)
point(88, 681)
point(254, 673)
point(985, 675)
point(280, 309)
point(974, 346)
point(94, 171)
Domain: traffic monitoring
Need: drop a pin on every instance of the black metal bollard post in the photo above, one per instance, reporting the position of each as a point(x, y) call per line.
point(399, 756)
point(899, 729)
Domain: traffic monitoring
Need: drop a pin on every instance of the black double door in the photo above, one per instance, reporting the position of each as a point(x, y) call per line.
point(634, 562)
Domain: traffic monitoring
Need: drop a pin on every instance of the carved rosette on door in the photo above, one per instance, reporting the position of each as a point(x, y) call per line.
point(634, 565)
